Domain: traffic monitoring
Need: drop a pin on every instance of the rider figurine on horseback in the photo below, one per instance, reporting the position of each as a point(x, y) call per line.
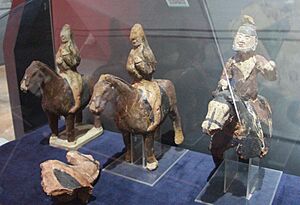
point(242, 69)
point(67, 61)
point(141, 66)
point(238, 116)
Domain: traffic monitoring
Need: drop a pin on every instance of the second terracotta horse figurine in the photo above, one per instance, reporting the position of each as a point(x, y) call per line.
point(57, 98)
point(134, 114)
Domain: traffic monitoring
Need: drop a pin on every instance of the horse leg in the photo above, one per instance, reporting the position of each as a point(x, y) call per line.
point(217, 154)
point(169, 88)
point(97, 121)
point(78, 118)
point(151, 161)
point(70, 129)
point(53, 124)
point(220, 142)
point(175, 117)
point(127, 143)
point(97, 129)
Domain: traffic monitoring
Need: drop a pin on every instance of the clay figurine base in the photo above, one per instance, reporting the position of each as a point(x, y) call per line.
point(84, 134)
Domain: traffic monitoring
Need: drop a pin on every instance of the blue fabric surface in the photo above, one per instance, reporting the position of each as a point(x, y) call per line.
point(20, 175)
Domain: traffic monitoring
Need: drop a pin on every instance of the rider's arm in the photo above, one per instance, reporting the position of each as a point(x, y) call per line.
point(148, 65)
point(267, 68)
point(130, 66)
point(58, 58)
point(144, 62)
point(71, 57)
point(223, 82)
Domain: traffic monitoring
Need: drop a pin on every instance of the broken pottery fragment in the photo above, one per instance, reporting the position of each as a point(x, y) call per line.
point(67, 182)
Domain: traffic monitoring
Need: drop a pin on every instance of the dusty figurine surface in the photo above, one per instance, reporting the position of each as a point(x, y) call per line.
point(65, 92)
point(67, 60)
point(67, 182)
point(142, 106)
point(141, 66)
point(238, 116)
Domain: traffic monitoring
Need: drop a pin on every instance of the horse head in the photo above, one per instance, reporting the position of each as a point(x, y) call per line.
point(219, 114)
point(33, 78)
point(103, 93)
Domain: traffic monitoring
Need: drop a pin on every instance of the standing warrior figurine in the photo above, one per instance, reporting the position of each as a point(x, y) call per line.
point(67, 60)
point(141, 66)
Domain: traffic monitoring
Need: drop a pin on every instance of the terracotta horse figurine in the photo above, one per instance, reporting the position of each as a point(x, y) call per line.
point(133, 112)
point(57, 97)
point(251, 136)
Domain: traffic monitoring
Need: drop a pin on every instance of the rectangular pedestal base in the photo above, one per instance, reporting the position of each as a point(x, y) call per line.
point(136, 172)
point(263, 180)
point(84, 134)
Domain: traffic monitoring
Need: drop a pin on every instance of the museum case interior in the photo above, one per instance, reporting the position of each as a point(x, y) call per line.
point(187, 43)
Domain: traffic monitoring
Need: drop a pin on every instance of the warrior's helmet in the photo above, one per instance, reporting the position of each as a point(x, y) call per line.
point(137, 34)
point(246, 36)
point(66, 36)
point(66, 33)
point(137, 31)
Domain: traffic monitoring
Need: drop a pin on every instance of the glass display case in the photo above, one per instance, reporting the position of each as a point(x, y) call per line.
point(192, 42)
